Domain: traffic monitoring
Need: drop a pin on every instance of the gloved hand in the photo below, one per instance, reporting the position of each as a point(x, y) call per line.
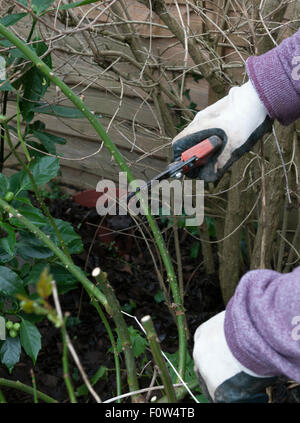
point(240, 119)
point(221, 377)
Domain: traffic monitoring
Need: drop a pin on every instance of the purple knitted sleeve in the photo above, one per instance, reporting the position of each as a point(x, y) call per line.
point(262, 323)
point(276, 78)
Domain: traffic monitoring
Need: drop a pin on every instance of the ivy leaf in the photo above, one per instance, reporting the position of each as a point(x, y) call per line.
point(30, 339)
point(10, 283)
point(10, 352)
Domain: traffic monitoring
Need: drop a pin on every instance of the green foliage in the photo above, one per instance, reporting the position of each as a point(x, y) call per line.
point(100, 373)
point(30, 339)
point(40, 6)
point(190, 374)
point(24, 289)
point(10, 352)
point(59, 111)
point(12, 19)
point(77, 4)
point(159, 297)
point(139, 342)
point(128, 307)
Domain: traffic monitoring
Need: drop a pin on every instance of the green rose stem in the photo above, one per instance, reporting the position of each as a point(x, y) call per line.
point(158, 358)
point(76, 271)
point(35, 397)
point(2, 398)
point(114, 310)
point(178, 306)
point(114, 346)
point(22, 387)
point(65, 362)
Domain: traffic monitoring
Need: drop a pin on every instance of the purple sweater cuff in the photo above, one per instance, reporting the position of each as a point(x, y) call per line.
point(276, 78)
point(262, 323)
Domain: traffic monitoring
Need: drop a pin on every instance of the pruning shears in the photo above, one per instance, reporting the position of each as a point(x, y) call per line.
point(195, 156)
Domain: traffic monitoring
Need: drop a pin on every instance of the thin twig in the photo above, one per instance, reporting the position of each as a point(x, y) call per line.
point(70, 346)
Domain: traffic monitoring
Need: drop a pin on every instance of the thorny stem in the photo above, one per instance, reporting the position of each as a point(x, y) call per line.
point(67, 378)
point(178, 307)
point(158, 358)
point(70, 347)
point(2, 398)
point(113, 308)
point(114, 346)
point(35, 397)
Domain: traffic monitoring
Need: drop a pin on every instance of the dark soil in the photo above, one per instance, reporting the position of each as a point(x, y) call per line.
point(123, 255)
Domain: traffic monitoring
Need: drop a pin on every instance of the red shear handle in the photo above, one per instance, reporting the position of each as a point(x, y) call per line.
point(203, 150)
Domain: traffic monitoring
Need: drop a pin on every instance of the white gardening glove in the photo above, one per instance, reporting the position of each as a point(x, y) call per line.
point(240, 119)
point(221, 377)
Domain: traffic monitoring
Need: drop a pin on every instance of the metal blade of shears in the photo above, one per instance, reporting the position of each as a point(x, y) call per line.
point(175, 170)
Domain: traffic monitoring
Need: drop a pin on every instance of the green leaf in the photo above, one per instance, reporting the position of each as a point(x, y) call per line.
point(14, 52)
point(71, 239)
point(7, 238)
point(83, 390)
point(10, 283)
point(30, 246)
point(77, 4)
point(43, 170)
point(35, 83)
point(12, 19)
point(60, 111)
point(10, 352)
point(49, 141)
point(194, 250)
point(6, 86)
point(190, 373)
point(211, 226)
point(30, 339)
point(139, 343)
point(201, 398)
point(3, 184)
point(159, 297)
point(33, 214)
point(24, 2)
point(40, 6)
point(65, 281)
point(4, 256)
